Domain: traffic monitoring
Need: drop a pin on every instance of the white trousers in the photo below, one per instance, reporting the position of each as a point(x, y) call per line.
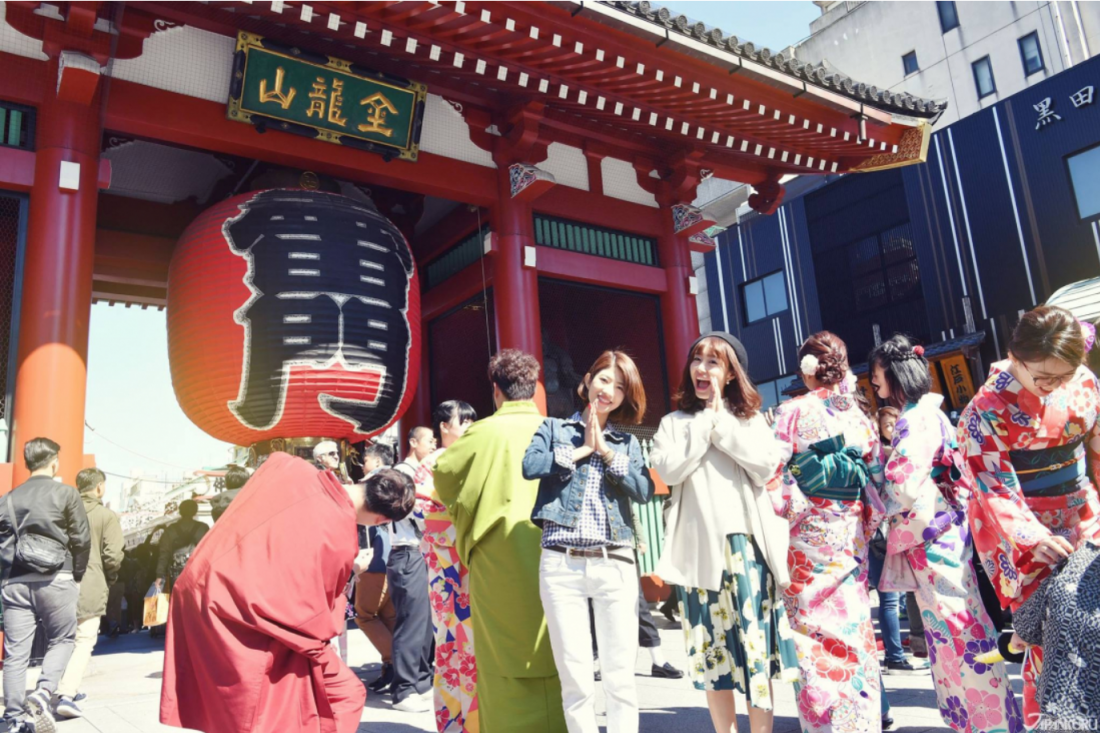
point(87, 633)
point(566, 584)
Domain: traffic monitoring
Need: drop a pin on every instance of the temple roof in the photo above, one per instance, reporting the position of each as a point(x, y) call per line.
point(681, 26)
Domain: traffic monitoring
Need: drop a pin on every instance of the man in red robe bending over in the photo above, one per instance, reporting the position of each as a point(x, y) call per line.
point(253, 613)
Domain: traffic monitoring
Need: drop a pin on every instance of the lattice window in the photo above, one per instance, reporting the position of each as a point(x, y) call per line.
point(592, 240)
point(16, 126)
point(454, 260)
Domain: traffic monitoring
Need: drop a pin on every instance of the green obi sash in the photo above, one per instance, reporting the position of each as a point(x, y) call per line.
point(830, 470)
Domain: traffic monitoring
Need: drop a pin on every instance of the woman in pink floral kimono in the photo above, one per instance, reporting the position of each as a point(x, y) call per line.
point(929, 546)
point(827, 490)
point(455, 685)
point(1030, 438)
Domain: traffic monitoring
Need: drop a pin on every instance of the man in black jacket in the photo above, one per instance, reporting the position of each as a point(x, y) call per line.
point(48, 508)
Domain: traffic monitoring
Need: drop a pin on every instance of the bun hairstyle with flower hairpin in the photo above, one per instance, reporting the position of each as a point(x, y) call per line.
point(907, 371)
point(824, 357)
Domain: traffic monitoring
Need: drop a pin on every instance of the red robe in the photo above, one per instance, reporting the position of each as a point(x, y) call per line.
point(252, 615)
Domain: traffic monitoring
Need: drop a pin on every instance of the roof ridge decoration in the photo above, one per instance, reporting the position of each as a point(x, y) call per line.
point(782, 61)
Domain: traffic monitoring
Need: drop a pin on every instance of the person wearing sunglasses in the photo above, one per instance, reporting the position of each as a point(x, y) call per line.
point(1030, 438)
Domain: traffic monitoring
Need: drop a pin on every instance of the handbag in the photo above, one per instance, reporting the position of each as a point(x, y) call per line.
point(37, 552)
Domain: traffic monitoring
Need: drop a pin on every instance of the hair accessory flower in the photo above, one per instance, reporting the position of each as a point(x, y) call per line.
point(918, 350)
point(809, 365)
point(1090, 334)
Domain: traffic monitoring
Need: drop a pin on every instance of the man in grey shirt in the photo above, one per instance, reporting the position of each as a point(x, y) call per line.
point(48, 508)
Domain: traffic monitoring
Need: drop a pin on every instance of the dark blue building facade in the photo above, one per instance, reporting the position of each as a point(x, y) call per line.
point(1005, 211)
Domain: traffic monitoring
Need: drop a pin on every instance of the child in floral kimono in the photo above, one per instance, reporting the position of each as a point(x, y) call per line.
point(827, 492)
point(928, 545)
point(1029, 437)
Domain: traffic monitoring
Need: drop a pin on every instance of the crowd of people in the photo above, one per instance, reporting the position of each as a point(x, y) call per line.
point(499, 559)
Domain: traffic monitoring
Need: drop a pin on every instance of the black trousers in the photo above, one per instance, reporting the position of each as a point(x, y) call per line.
point(407, 576)
point(648, 635)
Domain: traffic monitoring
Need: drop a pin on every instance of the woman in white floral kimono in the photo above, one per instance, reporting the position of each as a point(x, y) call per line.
point(929, 546)
point(827, 491)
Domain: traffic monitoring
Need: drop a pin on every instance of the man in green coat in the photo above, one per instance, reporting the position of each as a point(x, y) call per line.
point(103, 566)
point(480, 479)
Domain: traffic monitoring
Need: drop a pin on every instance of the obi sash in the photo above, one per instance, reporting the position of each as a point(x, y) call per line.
point(830, 470)
point(1056, 471)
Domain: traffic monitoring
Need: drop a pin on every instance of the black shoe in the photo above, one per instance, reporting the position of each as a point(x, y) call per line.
point(905, 667)
point(598, 676)
point(383, 681)
point(667, 611)
point(666, 671)
point(887, 722)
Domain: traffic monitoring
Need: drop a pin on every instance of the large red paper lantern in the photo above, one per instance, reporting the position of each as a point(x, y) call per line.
point(293, 313)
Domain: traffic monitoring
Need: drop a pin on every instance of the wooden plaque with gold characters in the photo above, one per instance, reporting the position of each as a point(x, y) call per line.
point(277, 87)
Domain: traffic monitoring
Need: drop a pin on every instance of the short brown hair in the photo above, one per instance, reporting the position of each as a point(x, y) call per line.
point(515, 372)
point(632, 410)
point(1049, 332)
point(740, 395)
point(831, 354)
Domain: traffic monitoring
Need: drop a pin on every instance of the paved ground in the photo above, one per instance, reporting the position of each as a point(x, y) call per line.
point(123, 687)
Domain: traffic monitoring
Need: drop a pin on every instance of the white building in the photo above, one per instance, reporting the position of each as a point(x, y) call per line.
point(971, 54)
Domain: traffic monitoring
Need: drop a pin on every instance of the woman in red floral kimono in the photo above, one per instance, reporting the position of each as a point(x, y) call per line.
point(1030, 438)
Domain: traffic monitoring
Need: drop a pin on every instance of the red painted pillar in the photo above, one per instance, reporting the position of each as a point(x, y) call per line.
point(515, 287)
point(51, 376)
point(679, 316)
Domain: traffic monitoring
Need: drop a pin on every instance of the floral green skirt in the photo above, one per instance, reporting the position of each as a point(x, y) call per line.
point(738, 638)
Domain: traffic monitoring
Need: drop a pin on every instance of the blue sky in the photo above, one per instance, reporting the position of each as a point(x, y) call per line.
point(775, 24)
point(138, 423)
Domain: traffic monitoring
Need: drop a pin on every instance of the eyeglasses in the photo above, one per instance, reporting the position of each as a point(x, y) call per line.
point(1049, 382)
point(332, 454)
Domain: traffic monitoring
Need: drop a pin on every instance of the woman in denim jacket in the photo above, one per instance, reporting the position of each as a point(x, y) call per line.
point(588, 474)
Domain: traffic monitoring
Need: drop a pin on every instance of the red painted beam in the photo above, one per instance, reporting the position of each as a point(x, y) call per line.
point(471, 281)
point(132, 259)
point(23, 80)
point(142, 111)
point(16, 169)
point(572, 203)
point(601, 271)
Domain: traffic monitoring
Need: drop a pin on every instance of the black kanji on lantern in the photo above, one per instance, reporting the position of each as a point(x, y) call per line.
point(330, 281)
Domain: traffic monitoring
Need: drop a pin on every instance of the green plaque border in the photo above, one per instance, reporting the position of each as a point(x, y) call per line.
point(237, 111)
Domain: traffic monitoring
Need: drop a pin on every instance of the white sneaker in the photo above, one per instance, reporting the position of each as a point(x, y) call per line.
point(66, 708)
point(414, 703)
point(38, 712)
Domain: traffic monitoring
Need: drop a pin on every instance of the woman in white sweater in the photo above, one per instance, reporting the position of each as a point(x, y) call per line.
point(725, 547)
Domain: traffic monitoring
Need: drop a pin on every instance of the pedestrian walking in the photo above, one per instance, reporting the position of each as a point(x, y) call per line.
point(928, 544)
point(1029, 437)
point(254, 613)
point(455, 679)
point(480, 481)
point(725, 548)
point(235, 479)
point(176, 545)
point(832, 469)
point(46, 544)
point(407, 584)
point(104, 563)
point(589, 473)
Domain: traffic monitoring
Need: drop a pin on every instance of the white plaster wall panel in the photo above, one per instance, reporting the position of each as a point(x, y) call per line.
point(702, 299)
point(445, 133)
point(713, 188)
point(621, 182)
point(14, 42)
point(183, 60)
point(162, 173)
point(567, 164)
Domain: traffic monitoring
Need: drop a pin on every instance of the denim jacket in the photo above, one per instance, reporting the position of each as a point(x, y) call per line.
point(561, 487)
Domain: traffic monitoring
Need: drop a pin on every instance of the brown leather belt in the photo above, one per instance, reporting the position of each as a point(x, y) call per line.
point(592, 552)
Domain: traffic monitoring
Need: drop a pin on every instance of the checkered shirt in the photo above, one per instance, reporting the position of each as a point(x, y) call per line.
point(593, 528)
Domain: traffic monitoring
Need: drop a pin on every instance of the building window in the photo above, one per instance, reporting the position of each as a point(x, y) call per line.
point(1031, 54)
point(772, 392)
point(593, 240)
point(16, 126)
point(949, 16)
point(909, 61)
point(1084, 176)
point(884, 269)
point(764, 297)
point(983, 77)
